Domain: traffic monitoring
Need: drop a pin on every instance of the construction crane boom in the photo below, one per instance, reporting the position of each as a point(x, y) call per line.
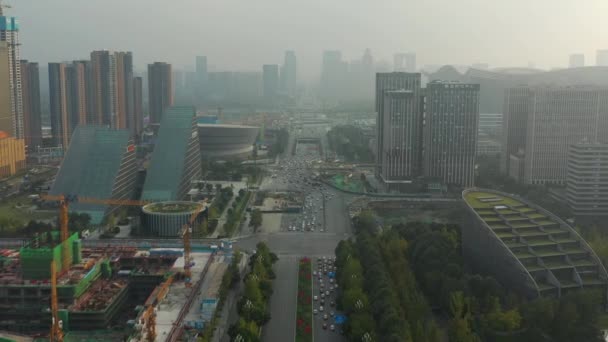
point(187, 236)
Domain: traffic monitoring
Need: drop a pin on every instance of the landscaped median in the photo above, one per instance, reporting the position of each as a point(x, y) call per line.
point(304, 308)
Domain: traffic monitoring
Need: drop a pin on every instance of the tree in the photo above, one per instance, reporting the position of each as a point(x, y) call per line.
point(256, 219)
point(218, 188)
point(209, 187)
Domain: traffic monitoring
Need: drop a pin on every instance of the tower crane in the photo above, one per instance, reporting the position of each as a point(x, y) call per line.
point(56, 324)
point(186, 236)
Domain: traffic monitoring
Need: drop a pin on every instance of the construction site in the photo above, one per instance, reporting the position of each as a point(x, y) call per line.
point(53, 288)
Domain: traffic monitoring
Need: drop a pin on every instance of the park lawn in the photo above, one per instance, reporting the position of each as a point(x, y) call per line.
point(22, 215)
point(304, 331)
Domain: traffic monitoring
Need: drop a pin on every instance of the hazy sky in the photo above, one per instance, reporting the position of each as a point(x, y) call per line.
point(244, 34)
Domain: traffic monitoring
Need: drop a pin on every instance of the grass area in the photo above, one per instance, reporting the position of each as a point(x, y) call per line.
point(348, 183)
point(545, 222)
point(172, 207)
point(304, 331)
point(498, 226)
point(15, 212)
point(536, 216)
point(602, 321)
point(474, 200)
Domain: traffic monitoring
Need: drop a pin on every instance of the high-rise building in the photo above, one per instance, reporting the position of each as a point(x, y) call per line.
point(202, 75)
point(99, 163)
point(6, 114)
point(138, 106)
point(289, 73)
point(12, 155)
point(101, 66)
point(586, 185)
point(577, 60)
point(333, 76)
point(601, 58)
point(176, 160)
point(160, 90)
point(400, 158)
point(9, 33)
point(392, 142)
point(270, 75)
point(122, 89)
point(404, 62)
point(58, 98)
point(553, 118)
point(32, 120)
point(450, 132)
point(76, 87)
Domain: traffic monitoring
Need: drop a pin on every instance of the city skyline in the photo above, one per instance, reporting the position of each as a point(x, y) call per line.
point(347, 28)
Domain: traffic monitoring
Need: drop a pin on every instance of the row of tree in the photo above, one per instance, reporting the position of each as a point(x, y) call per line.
point(280, 143)
point(253, 305)
point(350, 142)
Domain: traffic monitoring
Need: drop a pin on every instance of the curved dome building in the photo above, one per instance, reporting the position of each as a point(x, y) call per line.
point(221, 141)
point(167, 218)
point(526, 247)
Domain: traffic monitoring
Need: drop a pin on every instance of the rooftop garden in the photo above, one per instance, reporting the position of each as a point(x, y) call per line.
point(172, 207)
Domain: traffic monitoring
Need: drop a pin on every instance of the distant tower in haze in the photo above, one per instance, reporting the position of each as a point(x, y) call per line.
point(32, 121)
point(160, 90)
point(58, 96)
point(577, 60)
point(9, 33)
point(101, 87)
point(202, 75)
point(601, 58)
point(404, 62)
point(138, 106)
point(271, 81)
point(289, 73)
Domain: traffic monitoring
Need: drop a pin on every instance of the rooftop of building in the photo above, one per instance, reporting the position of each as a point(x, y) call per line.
point(90, 166)
point(172, 207)
point(169, 157)
point(539, 240)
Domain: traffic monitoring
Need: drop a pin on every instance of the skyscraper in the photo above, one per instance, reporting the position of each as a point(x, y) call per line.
point(59, 104)
point(514, 123)
point(102, 87)
point(450, 132)
point(601, 58)
point(160, 90)
point(32, 121)
point(271, 81)
point(138, 106)
point(333, 76)
point(586, 186)
point(289, 73)
point(76, 87)
point(401, 136)
point(404, 112)
point(9, 33)
point(577, 60)
point(122, 90)
point(404, 62)
point(201, 75)
point(6, 115)
point(555, 118)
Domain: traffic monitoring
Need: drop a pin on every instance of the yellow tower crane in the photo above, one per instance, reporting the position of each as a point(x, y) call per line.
point(56, 324)
point(186, 237)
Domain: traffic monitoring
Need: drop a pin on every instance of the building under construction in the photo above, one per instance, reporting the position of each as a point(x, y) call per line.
point(102, 288)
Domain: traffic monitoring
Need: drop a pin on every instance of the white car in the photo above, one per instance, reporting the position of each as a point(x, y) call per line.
point(315, 311)
point(316, 297)
point(320, 308)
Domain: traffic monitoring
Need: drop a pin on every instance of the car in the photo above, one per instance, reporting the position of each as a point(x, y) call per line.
point(324, 325)
point(331, 313)
point(321, 308)
point(316, 298)
point(331, 280)
point(332, 303)
point(315, 311)
point(325, 317)
point(322, 302)
point(314, 273)
point(327, 293)
point(322, 295)
point(332, 327)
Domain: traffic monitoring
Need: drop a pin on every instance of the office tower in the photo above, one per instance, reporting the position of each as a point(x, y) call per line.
point(270, 74)
point(586, 186)
point(601, 58)
point(99, 163)
point(122, 90)
point(101, 77)
point(289, 73)
point(32, 121)
point(515, 121)
point(401, 136)
point(333, 75)
point(450, 132)
point(202, 75)
point(58, 98)
point(386, 146)
point(577, 60)
point(553, 118)
point(9, 33)
point(160, 90)
point(138, 106)
point(404, 62)
point(491, 124)
point(6, 114)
